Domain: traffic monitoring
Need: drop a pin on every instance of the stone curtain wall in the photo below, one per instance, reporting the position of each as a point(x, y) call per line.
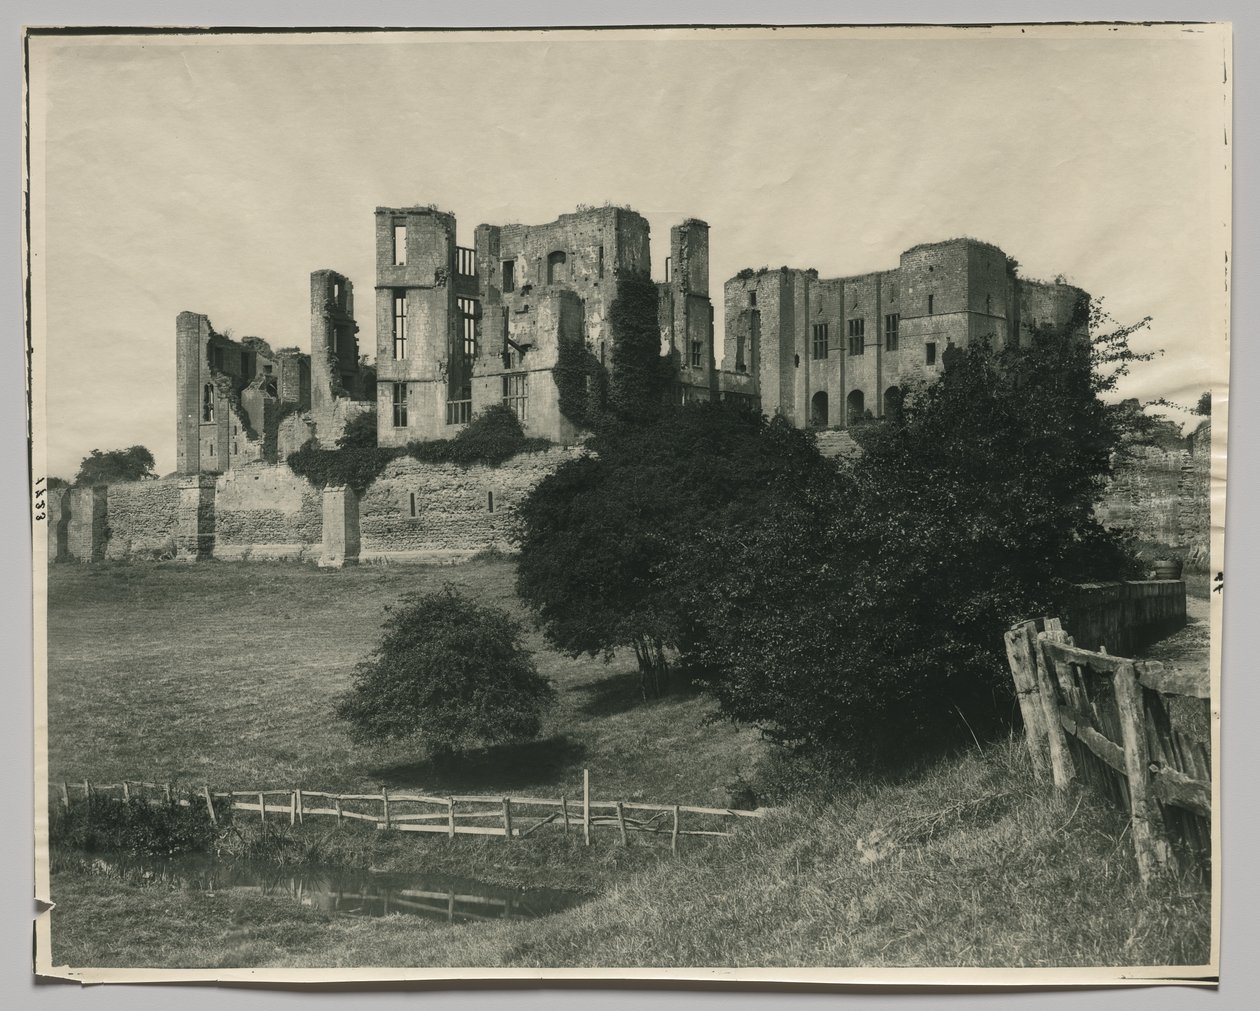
point(267, 512)
point(142, 519)
point(1124, 617)
point(1163, 496)
point(453, 506)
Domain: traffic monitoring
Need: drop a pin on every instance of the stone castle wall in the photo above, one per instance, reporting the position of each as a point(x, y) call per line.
point(141, 519)
point(413, 512)
point(266, 512)
point(418, 511)
point(1163, 497)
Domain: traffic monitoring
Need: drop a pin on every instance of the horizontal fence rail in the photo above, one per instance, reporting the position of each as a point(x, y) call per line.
point(459, 814)
point(1135, 732)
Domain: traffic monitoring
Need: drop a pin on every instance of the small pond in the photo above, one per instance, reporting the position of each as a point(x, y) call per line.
point(340, 891)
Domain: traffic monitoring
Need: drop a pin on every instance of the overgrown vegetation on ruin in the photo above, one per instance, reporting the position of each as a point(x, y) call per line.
point(636, 388)
point(492, 438)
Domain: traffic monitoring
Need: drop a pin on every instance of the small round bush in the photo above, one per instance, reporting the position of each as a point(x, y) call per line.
point(450, 674)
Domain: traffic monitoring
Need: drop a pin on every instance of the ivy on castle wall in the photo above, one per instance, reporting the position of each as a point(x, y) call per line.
point(492, 438)
point(640, 380)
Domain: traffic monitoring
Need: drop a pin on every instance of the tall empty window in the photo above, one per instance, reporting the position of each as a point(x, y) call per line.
point(857, 336)
point(931, 304)
point(556, 267)
point(601, 261)
point(400, 325)
point(988, 304)
point(468, 327)
point(412, 503)
point(509, 275)
point(400, 243)
point(820, 341)
point(930, 353)
point(207, 403)
point(400, 405)
point(752, 300)
point(697, 354)
point(892, 324)
point(516, 394)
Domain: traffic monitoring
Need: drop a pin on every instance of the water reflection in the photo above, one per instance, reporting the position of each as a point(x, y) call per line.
point(341, 891)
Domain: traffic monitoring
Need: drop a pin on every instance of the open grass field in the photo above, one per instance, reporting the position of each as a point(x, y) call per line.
point(225, 674)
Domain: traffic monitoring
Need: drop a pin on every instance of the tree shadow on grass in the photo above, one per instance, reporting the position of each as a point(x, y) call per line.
point(620, 693)
point(553, 759)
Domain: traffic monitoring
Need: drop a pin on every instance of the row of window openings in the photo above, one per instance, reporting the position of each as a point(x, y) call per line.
point(468, 326)
point(411, 504)
point(821, 347)
point(515, 397)
point(857, 338)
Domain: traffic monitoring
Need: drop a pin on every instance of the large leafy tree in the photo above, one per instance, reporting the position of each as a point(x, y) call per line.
point(449, 674)
point(133, 464)
point(867, 625)
point(604, 539)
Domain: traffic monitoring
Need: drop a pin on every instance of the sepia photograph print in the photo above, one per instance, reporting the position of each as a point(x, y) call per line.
point(712, 504)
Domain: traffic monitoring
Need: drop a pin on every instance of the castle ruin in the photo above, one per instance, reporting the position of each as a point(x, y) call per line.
point(459, 329)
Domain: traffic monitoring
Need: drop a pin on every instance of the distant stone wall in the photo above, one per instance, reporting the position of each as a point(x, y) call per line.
point(1124, 617)
point(1163, 496)
point(141, 518)
point(414, 512)
point(425, 511)
point(266, 512)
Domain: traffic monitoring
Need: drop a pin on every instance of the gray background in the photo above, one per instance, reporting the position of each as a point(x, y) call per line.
point(1241, 933)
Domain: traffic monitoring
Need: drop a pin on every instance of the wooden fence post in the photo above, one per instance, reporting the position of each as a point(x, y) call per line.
point(621, 824)
point(1149, 840)
point(262, 809)
point(673, 839)
point(65, 794)
point(507, 819)
point(1019, 657)
point(337, 808)
point(87, 790)
point(586, 805)
point(385, 806)
point(300, 807)
point(166, 792)
point(205, 792)
point(1061, 765)
point(450, 817)
point(293, 807)
point(564, 812)
point(126, 791)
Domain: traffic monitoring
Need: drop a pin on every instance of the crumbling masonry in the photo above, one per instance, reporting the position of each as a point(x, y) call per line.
point(461, 328)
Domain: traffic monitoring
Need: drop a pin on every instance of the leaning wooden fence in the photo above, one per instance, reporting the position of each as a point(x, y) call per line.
point(407, 811)
point(1135, 732)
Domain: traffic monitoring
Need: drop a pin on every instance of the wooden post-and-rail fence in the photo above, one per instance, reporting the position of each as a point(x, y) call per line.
point(1123, 726)
point(405, 811)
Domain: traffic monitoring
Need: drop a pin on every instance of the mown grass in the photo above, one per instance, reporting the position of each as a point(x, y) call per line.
point(971, 863)
point(226, 674)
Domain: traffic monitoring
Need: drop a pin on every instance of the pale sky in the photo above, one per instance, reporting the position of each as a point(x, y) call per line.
point(215, 174)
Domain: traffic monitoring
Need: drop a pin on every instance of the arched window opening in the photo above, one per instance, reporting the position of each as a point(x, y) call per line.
point(857, 406)
point(557, 264)
point(207, 403)
point(892, 404)
point(818, 410)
